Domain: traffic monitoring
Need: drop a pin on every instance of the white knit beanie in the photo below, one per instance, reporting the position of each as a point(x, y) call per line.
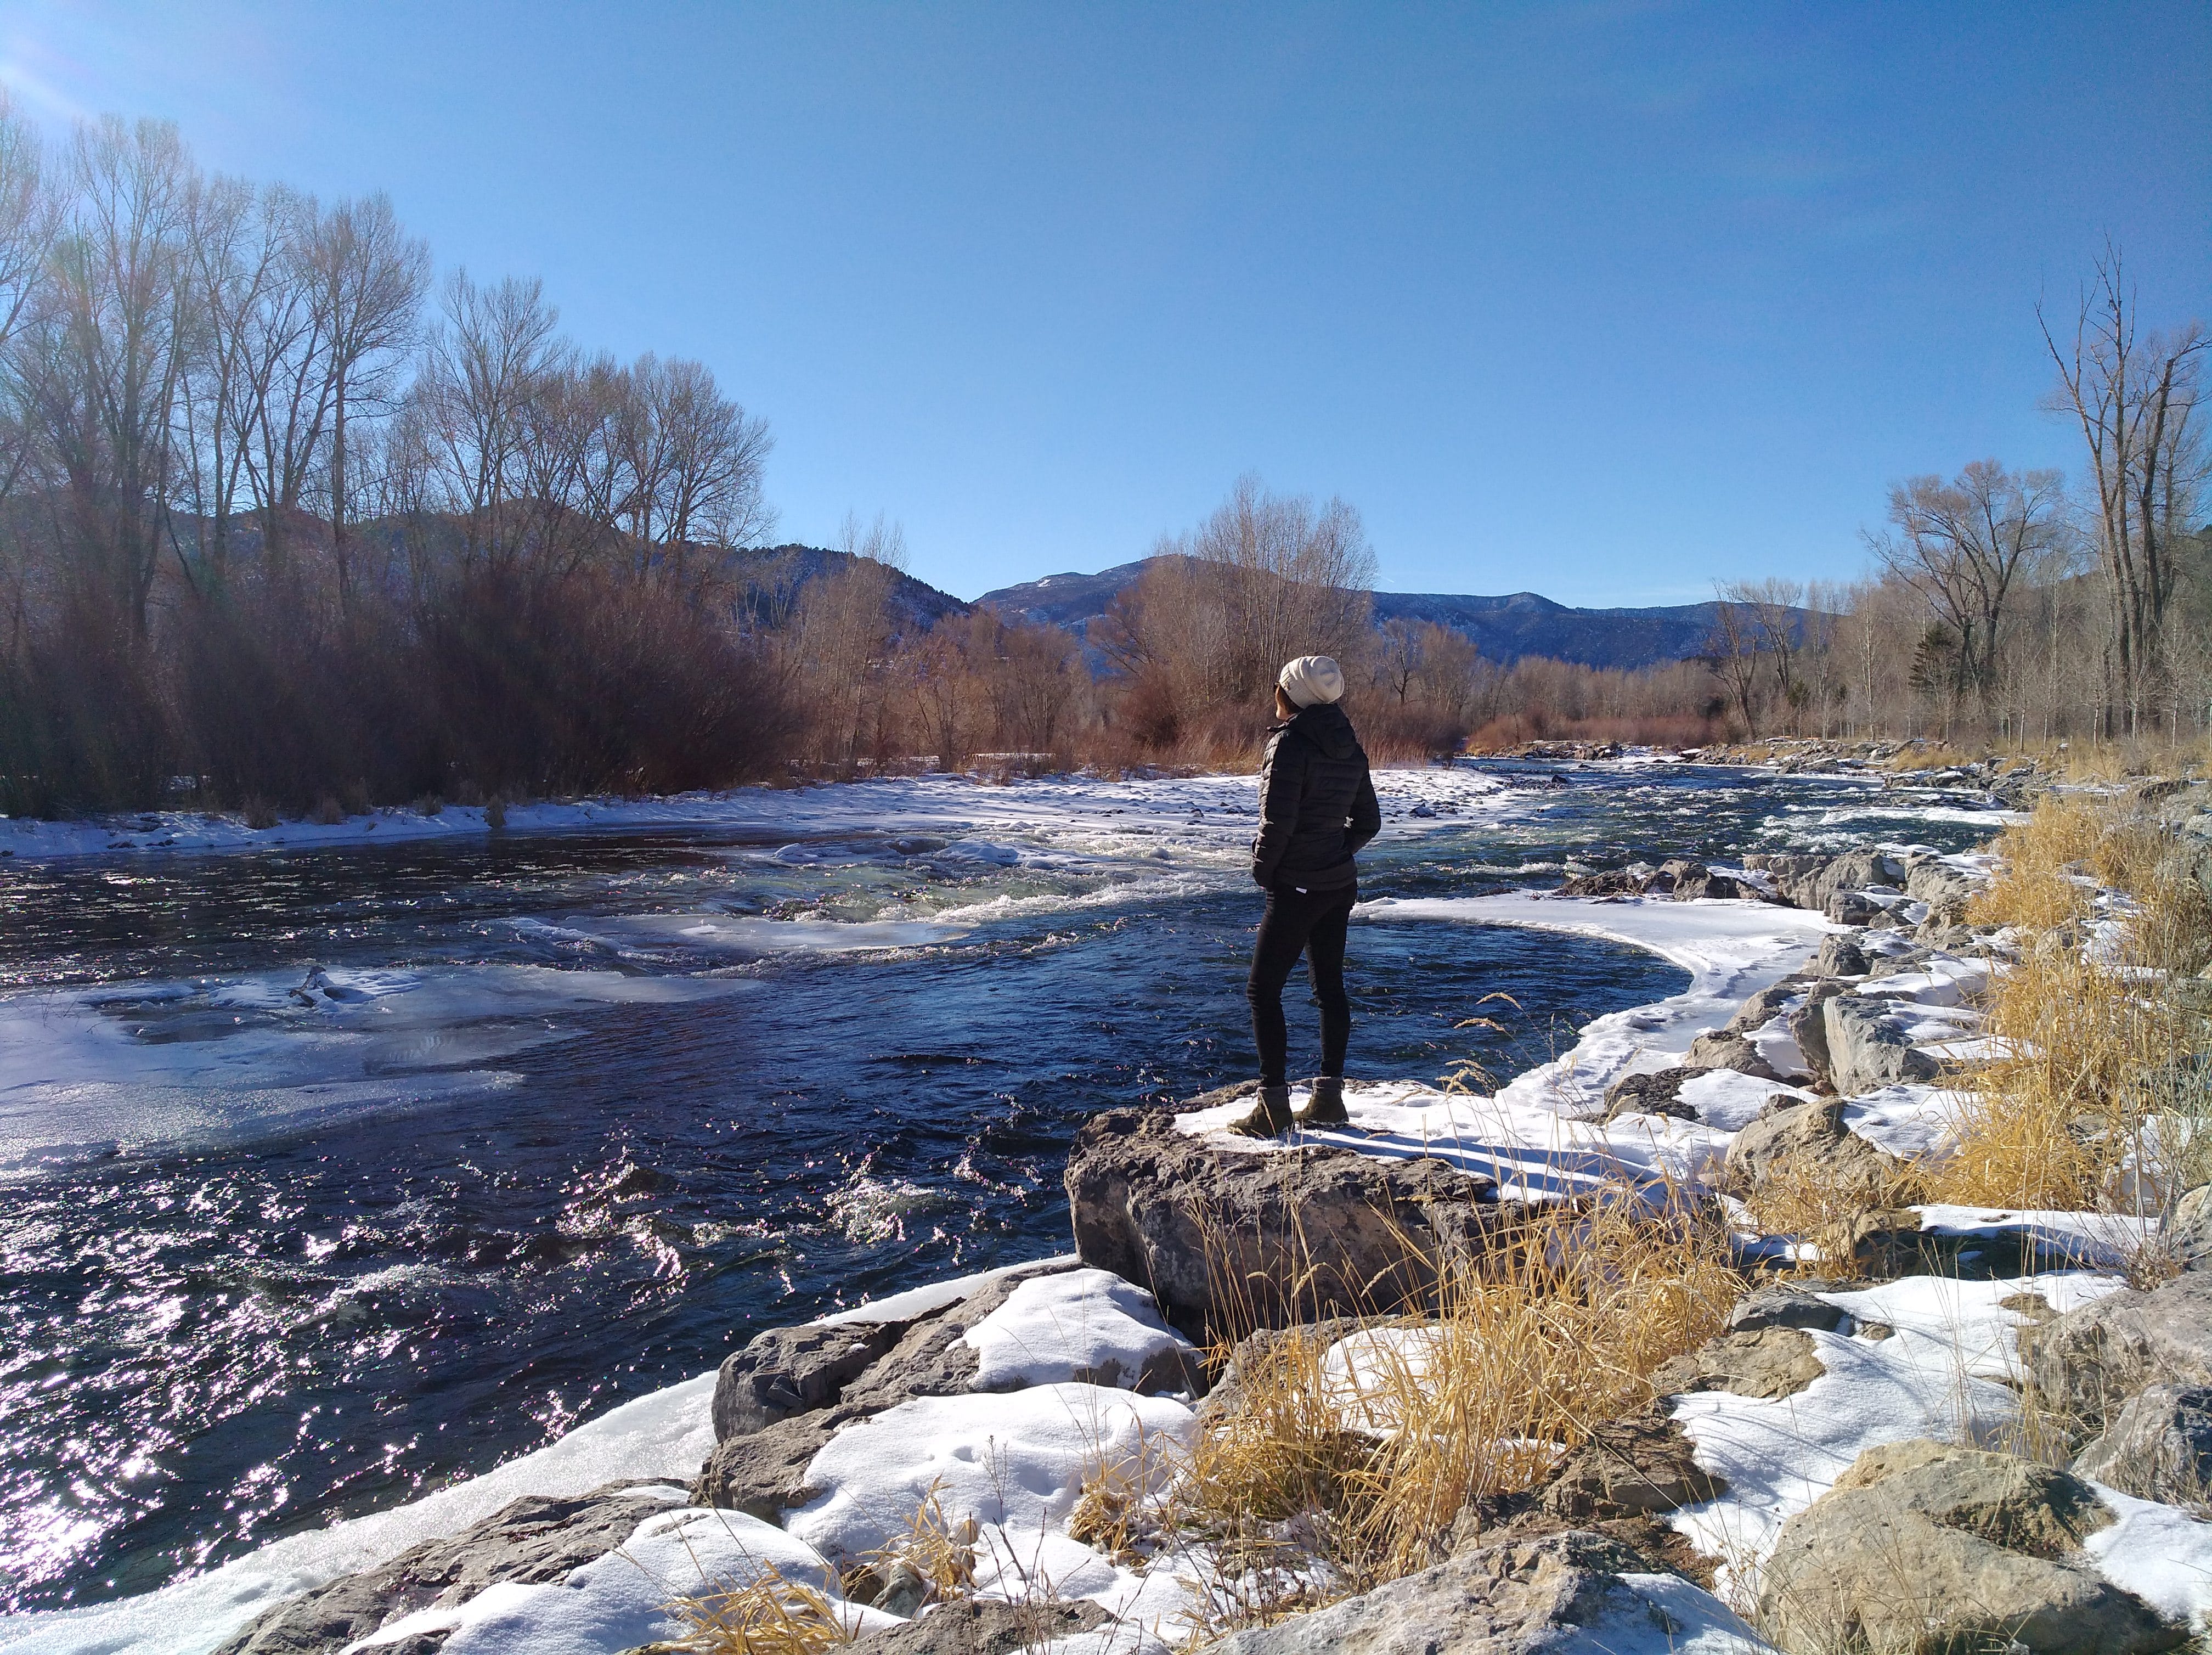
point(1310, 679)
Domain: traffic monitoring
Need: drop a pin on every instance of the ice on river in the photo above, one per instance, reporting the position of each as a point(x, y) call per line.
point(133, 1067)
point(1072, 813)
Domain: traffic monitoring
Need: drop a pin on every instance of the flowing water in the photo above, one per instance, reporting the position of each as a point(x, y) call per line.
point(327, 1177)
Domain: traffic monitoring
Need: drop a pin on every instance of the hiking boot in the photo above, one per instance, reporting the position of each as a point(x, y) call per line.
point(1271, 1119)
point(1326, 1107)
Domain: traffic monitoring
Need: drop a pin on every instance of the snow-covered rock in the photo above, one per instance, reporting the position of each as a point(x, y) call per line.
point(1575, 1593)
point(1088, 1325)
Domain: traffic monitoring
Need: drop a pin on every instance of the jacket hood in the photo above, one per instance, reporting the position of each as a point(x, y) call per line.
point(1325, 725)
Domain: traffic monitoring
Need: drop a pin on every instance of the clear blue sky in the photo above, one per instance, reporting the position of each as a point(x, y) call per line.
point(1603, 301)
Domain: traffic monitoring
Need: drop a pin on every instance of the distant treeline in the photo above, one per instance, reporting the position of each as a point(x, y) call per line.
point(284, 527)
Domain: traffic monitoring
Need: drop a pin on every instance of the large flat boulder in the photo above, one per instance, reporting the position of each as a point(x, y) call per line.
point(527, 1541)
point(1573, 1593)
point(1230, 1240)
point(779, 1400)
point(1927, 1548)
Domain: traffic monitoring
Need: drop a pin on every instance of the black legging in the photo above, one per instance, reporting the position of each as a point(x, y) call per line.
point(1312, 923)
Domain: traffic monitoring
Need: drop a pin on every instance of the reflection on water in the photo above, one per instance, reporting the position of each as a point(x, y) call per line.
point(339, 1175)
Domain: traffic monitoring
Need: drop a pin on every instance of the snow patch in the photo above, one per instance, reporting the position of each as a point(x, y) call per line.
point(1080, 1324)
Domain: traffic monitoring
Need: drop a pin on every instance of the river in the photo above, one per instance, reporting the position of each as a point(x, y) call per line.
point(328, 1176)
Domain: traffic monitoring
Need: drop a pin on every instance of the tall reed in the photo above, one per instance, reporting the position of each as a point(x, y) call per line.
point(1349, 1452)
point(2096, 1094)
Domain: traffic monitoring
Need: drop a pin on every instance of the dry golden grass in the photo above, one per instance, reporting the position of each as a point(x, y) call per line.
point(774, 1616)
point(1118, 1509)
point(1366, 1470)
point(2119, 761)
point(936, 1557)
point(1801, 1198)
point(2094, 1079)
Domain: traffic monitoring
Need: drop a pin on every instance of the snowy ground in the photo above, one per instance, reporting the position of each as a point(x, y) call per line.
point(1947, 1368)
point(1539, 1135)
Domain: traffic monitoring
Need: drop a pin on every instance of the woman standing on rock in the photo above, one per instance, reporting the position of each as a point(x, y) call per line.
point(1317, 808)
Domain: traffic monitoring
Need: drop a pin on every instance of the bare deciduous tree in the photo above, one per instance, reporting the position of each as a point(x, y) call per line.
point(2134, 397)
point(1963, 547)
point(373, 276)
point(114, 351)
point(1263, 579)
point(494, 354)
point(695, 458)
point(1732, 655)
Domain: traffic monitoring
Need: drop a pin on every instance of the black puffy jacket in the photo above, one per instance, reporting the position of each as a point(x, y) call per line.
point(1316, 802)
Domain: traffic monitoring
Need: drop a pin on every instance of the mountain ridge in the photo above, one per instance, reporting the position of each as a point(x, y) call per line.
point(1506, 627)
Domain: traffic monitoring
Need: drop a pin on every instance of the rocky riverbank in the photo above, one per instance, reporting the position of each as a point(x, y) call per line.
point(1919, 1425)
point(2009, 781)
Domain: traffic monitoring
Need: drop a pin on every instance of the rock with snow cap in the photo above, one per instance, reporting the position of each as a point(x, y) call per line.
point(1573, 1593)
point(863, 1366)
point(1926, 1547)
point(527, 1541)
point(1042, 1324)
